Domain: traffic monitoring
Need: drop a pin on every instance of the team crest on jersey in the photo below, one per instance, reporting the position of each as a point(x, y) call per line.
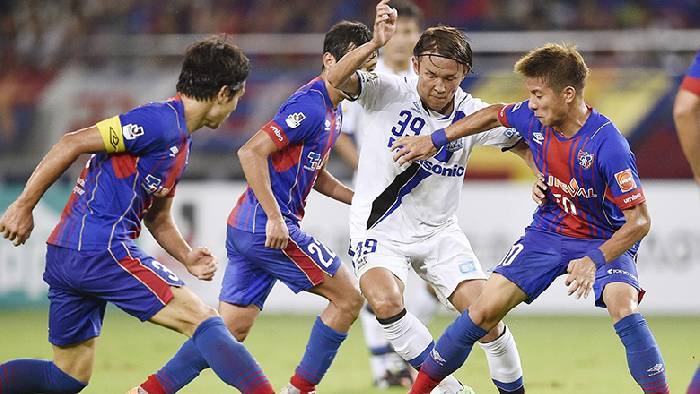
point(585, 159)
point(455, 145)
point(294, 120)
point(625, 180)
point(538, 137)
point(131, 131)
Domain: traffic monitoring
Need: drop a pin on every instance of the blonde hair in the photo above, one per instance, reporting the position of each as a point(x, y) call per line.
point(559, 65)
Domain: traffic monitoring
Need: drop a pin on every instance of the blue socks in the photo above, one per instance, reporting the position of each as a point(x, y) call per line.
point(453, 347)
point(320, 351)
point(694, 387)
point(182, 368)
point(24, 376)
point(227, 357)
point(643, 356)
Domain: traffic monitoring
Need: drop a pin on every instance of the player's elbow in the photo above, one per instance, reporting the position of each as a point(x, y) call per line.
point(685, 107)
point(642, 226)
point(245, 154)
point(69, 144)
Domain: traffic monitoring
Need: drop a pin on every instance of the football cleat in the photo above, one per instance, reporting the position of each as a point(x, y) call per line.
point(463, 389)
point(290, 389)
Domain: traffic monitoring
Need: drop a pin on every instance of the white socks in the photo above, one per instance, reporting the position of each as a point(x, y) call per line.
point(503, 358)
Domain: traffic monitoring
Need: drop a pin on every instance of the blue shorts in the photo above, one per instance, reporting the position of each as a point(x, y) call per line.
point(539, 257)
point(253, 269)
point(81, 283)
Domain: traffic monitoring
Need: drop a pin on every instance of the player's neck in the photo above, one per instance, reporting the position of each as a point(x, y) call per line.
point(575, 119)
point(195, 112)
point(334, 94)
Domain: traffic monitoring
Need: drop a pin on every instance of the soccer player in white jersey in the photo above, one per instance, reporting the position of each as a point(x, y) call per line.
point(387, 367)
point(409, 211)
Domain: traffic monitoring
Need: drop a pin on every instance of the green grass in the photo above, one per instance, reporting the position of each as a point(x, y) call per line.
point(567, 355)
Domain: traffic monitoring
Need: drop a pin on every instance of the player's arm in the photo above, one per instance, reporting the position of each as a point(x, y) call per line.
point(17, 223)
point(342, 74)
point(686, 114)
point(636, 227)
point(345, 147)
point(425, 146)
point(160, 223)
point(328, 185)
point(253, 156)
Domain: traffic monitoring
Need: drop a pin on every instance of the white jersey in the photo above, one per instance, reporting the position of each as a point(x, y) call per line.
point(414, 201)
point(353, 112)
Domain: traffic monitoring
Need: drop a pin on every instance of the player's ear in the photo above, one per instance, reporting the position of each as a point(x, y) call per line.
point(569, 94)
point(222, 95)
point(328, 60)
point(416, 64)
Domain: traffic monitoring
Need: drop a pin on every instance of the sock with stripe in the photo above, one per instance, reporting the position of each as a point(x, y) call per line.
point(321, 349)
point(229, 359)
point(504, 363)
point(643, 356)
point(36, 376)
point(185, 366)
point(450, 352)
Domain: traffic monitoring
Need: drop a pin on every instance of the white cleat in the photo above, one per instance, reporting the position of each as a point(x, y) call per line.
point(452, 388)
point(290, 389)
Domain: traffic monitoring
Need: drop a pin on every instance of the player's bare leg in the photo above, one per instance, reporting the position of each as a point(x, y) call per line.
point(498, 297)
point(76, 360)
point(239, 318)
point(329, 330)
point(409, 337)
point(211, 345)
point(644, 358)
point(498, 344)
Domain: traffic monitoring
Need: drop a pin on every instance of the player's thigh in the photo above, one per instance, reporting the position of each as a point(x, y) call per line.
point(77, 359)
point(239, 318)
point(74, 315)
point(341, 290)
point(183, 312)
point(449, 265)
point(617, 287)
point(498, 296)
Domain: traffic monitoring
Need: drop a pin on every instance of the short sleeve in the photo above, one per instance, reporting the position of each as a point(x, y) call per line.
point(691, 82)
point(502, 137)
point(377, 90)
point(351, 117)
point(137, 131)
point(517, 116)
point(619, 168)
point(296, 120)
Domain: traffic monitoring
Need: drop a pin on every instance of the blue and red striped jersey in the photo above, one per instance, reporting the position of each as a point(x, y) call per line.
point(146, 154)
point(304, 129)
point(691, 82)
point(592, 176)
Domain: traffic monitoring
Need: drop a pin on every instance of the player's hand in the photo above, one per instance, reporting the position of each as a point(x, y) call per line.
point(276, 234)
point(413, 148)
point(539, 189)
point(201, 263)
point(581, 276)
point(17, 223)
point(384, 23)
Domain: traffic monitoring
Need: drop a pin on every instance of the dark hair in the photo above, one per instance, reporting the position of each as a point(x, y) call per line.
point(342, 35)
point(560, 65)
point(211, 64)
point(408, 9)
point(444, 41)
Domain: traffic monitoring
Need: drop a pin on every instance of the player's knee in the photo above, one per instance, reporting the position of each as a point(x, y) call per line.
point(483, 316)
point(620, 311)
point(351, 303)
point(240, 329)
point(386, 305)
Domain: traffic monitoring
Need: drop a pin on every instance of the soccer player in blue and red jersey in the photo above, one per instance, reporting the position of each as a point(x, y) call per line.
point(282, 162)
point(590, 226)
point(686, 114)
point(92, 258)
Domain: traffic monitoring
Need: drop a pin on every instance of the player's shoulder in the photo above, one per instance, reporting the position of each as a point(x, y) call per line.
point(607, 134)
point(310, 99)
point(161, 118)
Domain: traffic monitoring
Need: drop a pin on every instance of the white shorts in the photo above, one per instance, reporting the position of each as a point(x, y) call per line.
point(444, 260)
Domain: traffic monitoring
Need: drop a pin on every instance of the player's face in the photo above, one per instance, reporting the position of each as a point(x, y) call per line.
point(400, 47)
point(438, 79)
point(222, 108)
point(548, 105)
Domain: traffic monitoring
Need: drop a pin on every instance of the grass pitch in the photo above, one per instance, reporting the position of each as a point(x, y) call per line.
point(560, 355)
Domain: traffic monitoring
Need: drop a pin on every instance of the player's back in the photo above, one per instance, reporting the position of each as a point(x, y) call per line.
point(147, 151)
point(304, 129)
